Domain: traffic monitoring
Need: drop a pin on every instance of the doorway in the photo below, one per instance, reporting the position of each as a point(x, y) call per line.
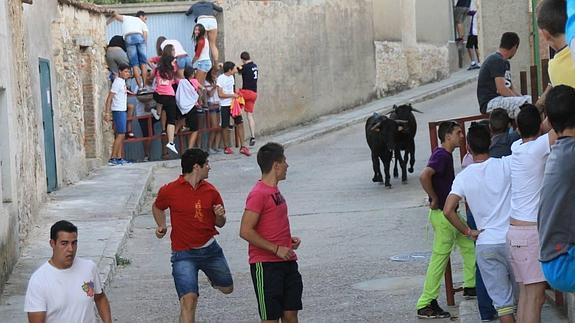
point(48, 125)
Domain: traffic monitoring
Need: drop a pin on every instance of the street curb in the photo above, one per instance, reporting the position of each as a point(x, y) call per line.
point(380, 109)
point(134, 208)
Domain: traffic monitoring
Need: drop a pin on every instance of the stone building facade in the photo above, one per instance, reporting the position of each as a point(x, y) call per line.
point(52, 92)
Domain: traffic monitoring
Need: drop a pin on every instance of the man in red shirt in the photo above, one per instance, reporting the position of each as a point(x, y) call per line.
point(265, 225)
point(196, 208)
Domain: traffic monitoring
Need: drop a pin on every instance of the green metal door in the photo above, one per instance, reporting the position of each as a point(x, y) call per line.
point(48, 125)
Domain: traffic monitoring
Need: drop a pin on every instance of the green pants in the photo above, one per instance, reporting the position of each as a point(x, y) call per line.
point(445, 237)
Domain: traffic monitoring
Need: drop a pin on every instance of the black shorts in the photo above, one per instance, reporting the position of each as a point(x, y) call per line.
point(226, 114)
point(192, 119)
point(472, 42)
point(169, 105)
point(278, 287)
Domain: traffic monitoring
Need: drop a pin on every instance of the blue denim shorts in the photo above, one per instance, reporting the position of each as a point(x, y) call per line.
point(136, 49)
point(183, 61)
point(210, 260)
point(204, 65)
point(120, 121)
point(559, 271)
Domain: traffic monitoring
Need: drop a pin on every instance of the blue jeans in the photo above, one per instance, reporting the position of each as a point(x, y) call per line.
point(559, 271)
point(210, 260)
point(120, 121)
point(484, 303)
point(136, 49)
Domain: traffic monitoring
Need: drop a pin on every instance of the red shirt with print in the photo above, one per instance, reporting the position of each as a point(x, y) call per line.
point(273, 223)
point(191, 212)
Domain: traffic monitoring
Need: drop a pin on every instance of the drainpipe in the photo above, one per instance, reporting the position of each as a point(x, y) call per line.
point(536, 56)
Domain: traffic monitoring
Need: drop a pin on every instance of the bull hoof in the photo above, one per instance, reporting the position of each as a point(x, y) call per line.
point(410, 169)
point(388, 186)
point(377, 179)
point(404, 182)
point(395, 175)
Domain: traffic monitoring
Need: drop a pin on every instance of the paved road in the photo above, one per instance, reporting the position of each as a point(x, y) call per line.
point(350, 228)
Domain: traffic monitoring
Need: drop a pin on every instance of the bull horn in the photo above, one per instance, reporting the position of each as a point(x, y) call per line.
point(414, 109)
point(375, 126)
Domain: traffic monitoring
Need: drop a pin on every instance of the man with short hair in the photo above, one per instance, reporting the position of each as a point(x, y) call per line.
point(527, 166)
point(226, 83)
point(265, 225)
point(436, 180)
point(135, 33)
point(66, 287)
point(551, 19)
point(486, 187)
point(249, 90)
point(196, 209)
point(557, 209)
point(494, 84)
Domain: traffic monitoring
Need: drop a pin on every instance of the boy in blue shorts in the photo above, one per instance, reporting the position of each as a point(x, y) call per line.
point(116, 109)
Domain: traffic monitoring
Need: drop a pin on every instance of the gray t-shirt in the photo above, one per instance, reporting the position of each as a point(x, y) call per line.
point(501, 144)
point(493, 66)
point(556, 219)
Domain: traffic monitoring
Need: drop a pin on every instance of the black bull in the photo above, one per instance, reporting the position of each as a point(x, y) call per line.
point(387, 136)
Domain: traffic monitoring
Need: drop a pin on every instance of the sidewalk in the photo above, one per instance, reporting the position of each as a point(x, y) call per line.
point(104, 204)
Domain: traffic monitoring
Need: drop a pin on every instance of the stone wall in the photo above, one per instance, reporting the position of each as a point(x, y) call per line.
point(71, 37)
point(23, 186)
point(315, 56)
point(398, 68)
point(434, 21)
point(497, 17)
point(79, 41)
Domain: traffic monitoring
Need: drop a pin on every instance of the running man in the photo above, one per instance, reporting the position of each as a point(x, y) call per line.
point(265, 225)
point(196, 209)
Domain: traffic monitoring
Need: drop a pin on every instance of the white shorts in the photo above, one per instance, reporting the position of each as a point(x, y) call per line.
point(209, 23)
point(511, 104)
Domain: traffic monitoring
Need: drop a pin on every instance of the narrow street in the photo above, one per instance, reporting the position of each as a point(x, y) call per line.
point(350, 228)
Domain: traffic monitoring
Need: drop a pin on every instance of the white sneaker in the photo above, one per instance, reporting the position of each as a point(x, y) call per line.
point(155, 113)
point(172, 147)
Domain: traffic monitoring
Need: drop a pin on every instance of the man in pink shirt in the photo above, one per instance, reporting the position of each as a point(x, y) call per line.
point(265, 225)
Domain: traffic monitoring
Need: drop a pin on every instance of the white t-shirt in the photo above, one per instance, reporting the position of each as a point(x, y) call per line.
point(180, 51)
point(486, 187)
point(214, 98)
point(120, 99)
point(226, 82)
point(527, 168)
point(133, 25)
point(66, 295)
